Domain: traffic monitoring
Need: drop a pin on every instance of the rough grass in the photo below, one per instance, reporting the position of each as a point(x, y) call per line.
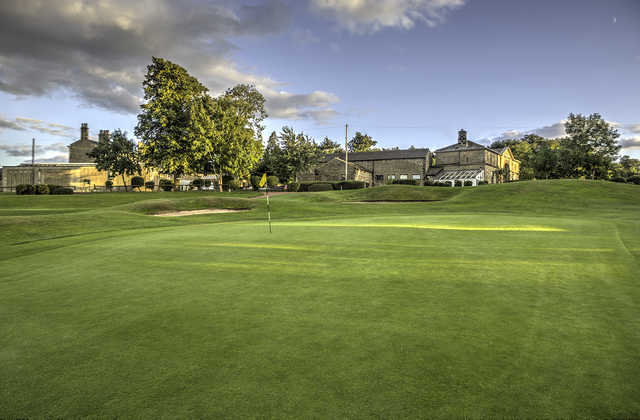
point(516, 300)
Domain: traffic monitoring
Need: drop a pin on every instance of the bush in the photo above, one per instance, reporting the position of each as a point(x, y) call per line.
point(197, 183)
point(482, 182)
point(63, 191)
point(52, 188)
point(293, 187)
point(137, 182)
point(458, 183)
point(234, 185)
point(25, 189)
point(166, 184)
point(150, 185)
point(634, 179)
point(349, 185)
point(255, 181)
point(207, 183)
point(272, 181)
point(406, 181)
point(320, 187)
point(41, 189)
point(108, 185)
point(468, 183)
point(428, 183)
point(618, 179)
point(304, 186)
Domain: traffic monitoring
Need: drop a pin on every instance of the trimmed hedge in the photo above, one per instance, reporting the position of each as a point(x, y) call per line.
point(293, 186)
point(137, 182)
point(458, 183)
point(197, 183)
point(108, 185)
point(63, 191)
point(273, 181)
point(348, 185)
point(482, 182)
point(52, 188)
point(468, 183)
point(150, 185)
point(406, 181)
point(166, 184)
point(634, 179)
point(25, 189)
point(41, 189)
point(320, 187)
point(234, 185)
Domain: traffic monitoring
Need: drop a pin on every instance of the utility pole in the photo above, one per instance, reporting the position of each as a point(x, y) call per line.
point(346, 152)
point(33, 161)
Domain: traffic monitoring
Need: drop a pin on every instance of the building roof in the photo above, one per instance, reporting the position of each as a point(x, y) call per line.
point(83, 141)
point(382, 155)
point(471, 145)
point(355, 165)
point(459, 174)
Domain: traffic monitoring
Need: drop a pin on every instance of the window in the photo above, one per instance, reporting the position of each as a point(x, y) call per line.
point(404, 176)
point(379, 177)
point(415, 177)
point(391, 177)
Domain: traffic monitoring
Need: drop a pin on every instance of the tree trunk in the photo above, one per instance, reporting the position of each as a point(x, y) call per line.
point(124, 182)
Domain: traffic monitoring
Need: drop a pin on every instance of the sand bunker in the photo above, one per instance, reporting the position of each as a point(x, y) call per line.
point(194, 212)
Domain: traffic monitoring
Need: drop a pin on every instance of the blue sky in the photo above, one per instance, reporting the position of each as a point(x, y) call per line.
point(407, 72)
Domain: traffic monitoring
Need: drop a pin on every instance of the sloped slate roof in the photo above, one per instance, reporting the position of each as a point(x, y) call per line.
point(84, 141)
point(461, 174)
point(382, 155)
point(471, 145)
point(355, 165)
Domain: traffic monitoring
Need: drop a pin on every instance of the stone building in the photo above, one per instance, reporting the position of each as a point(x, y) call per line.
point(374, 168)
point(80, 173)
point(470, 161)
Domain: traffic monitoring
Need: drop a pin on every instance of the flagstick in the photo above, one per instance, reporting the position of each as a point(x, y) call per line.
point(268, 210)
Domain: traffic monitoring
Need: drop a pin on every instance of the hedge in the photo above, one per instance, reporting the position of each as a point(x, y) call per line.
point(52, 188)
point(618, 179)
point(458, 183)
point(293, 186)
point(150, 185)
point(25, 189)
point(63, 191)
point(468, 183)
point(634, 179)
point(406, 181)
point(348, 185)
point(197, 183)
point(108, 185)
point(166, 184)
point(272, 181)
point(482, 182)
point(41, 189)
point(320, 187)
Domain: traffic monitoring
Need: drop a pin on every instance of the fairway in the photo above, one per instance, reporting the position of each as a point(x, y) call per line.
point(510, 300)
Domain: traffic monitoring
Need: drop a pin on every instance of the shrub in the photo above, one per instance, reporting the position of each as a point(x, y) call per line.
point(63, 191)
point(255, 181)
point(234, 185)
point(304, 186)
point(52, 188)
point(25, 189)
point(197, 183)
point(428, 183)
point(468, 183)
point(137, 182)
point(150, 185)
point(349, 185)
point(634, 179)
point(293, 187)
point(618, 179)
point(272, 181)
point(320, 187)
point(443, 184)
point(108, 185)
point(406, 181)
point(482, 182)
point(166, 184)
point(458, 183)
point(207, 183)
point(41, 189)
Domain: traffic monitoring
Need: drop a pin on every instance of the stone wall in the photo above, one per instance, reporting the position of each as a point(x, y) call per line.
point(395, 167)
point(79, 151)
point(334, 171)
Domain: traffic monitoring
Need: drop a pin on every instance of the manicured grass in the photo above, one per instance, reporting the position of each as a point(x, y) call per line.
point(515, 300)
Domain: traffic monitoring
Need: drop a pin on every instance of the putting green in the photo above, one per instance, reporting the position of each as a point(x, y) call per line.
point(400, 310)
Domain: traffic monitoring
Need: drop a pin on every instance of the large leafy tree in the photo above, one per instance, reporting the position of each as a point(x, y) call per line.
point(175, 122)
point(298, 153)
point(117, 155)
point(249, 104)
point(590, 146)
point(328, 147)
point(361, 143)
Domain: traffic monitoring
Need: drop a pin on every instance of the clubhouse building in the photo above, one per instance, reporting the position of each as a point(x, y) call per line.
point(462, 161)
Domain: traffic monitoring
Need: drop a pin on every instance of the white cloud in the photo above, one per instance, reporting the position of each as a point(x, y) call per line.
point(98, 51)
point(631, 143)
point(23, 124)
point(368, 16)
point(23, 150)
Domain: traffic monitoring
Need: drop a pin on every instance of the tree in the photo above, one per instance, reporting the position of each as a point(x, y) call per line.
point(249, 103)
point(590, 146)
point(299, 152)
point(117, 155)
point(361, 143)
point(175, 122)
point(329, 147)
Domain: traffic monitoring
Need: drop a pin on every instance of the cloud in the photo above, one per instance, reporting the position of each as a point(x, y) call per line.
point(98, 51)
point(630, 143)
point(23, 150)
point(548, 131)
point(316, 106)
point(23, 124)
point(368, 16)
point(54, 159)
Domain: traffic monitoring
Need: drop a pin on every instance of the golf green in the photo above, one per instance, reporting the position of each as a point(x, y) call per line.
point(515, 300)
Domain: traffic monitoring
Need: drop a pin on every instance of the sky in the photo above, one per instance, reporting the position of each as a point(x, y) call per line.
point(406, 72)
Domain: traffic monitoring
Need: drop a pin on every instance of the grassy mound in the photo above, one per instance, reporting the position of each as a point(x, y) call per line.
point(166, 205)
point(400, 193)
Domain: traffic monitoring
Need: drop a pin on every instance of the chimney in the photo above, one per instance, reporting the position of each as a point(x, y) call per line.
point(462, 138)
point(84, 131)
point(104, 135)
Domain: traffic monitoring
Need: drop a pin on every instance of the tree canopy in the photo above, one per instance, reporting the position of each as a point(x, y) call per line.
point(117, 155)
point(362, 143)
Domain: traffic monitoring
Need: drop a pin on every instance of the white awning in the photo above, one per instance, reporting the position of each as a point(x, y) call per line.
point(460, 175)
